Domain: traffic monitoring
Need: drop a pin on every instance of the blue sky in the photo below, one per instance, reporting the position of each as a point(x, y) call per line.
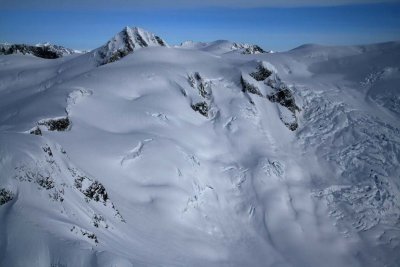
point(273, 26)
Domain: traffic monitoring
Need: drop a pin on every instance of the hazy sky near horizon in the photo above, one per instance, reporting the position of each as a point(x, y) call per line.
point(273, 24)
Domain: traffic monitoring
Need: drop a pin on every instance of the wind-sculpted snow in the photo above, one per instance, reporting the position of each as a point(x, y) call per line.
point(135, 152)
point(76, 96)
point(181, 157)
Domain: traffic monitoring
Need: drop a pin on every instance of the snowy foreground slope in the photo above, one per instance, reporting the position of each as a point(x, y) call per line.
point(181, 157)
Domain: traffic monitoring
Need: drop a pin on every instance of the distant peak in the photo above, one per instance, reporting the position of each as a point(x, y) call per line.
point(223, 46)
point(126, 42)
point(43, 44)
point(307, 46)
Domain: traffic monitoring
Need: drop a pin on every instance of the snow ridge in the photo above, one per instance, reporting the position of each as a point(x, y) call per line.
point(223, 46)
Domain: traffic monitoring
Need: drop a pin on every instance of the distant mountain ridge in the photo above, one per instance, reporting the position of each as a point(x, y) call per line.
point(46, 50)
point(128, 40)
point(223, 46)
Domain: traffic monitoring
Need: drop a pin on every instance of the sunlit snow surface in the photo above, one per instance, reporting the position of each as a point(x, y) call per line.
point(139, 178)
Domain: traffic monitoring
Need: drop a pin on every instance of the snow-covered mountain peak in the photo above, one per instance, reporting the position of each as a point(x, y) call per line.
point(142, 37)
point(125, 42)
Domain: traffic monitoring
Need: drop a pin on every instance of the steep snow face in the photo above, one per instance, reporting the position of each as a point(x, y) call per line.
point(46, 50)
point(222, 47)
point(179, 157)
point(125, 42)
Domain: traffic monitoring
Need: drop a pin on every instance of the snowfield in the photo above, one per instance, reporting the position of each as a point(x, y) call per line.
point(143, 154)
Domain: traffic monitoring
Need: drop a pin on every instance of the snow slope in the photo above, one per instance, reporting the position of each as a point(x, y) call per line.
point(181, 157)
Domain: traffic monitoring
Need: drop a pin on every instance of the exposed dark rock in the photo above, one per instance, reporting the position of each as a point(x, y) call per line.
point(5, 196)
point(118, 214)
point(57, 195)
point(281, 95)
point(25, 49)
point(61, 124)
point(285, 98)
point(201, 107)
point(93, 190)
point(261, 74)
point(160, 41)
point(97, 192)
point(139, 40)
point(47, 51)
point(45, 182)
point(47, 149)
point(117, 55)
point(88, 234)
point(196, 81)
point(99, 220)
point(247, 87)
point(292, 126)
point(36, 131)
point(253, 49)
point(62, 150)
point(91, 236)
point(204, 88)
point(78, 182)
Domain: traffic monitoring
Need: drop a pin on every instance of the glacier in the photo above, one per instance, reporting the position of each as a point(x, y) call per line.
point(139, 153)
